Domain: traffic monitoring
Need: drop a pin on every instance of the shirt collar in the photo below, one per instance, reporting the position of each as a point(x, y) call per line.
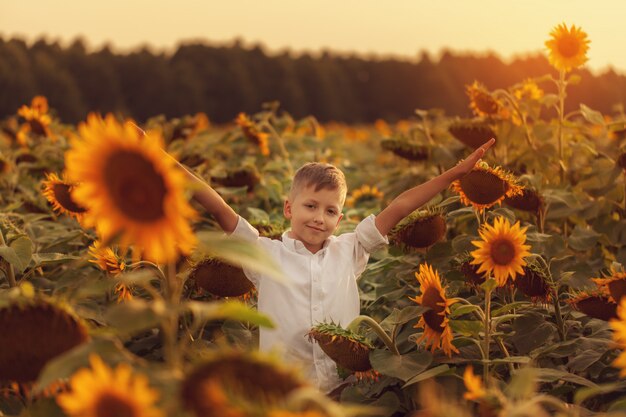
point(298, 247)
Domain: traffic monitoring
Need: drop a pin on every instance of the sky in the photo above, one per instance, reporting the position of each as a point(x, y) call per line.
point(399, 28)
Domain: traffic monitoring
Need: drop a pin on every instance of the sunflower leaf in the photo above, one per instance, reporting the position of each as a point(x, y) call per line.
point(221, 310)
point(145, 315)
point(403, 367)
point(239, 252)
point(592, 116)
point(66, 364)
point(433, 372)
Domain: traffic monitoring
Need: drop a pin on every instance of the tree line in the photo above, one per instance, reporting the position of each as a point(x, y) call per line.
point(225, 80)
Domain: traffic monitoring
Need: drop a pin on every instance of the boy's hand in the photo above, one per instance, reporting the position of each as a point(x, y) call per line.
point(466, 165)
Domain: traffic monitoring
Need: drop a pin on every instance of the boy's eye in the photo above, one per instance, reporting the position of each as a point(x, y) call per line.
point(310, 205)
point(332, 212)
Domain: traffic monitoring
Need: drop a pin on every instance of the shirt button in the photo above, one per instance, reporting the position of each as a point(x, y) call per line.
point(315, 308)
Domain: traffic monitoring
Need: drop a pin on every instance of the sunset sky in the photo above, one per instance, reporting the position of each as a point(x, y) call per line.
point(397, 27)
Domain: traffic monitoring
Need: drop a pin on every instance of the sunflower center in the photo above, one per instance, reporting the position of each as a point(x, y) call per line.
point(569, 46)
point(433, 300)
point(135, 186)
point(502, 251)
point(63, 196)
point(482, 187)
point(486, 104)
point(111, 404)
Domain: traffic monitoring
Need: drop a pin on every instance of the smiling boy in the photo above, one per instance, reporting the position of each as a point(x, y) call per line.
point(322, 268)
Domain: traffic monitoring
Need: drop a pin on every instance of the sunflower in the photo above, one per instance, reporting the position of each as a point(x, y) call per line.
point(470, 272)
point(437, 332)
point(37, 121)
point(533, 283)
point(59, 193)
point(364, 195)
point(105, 392)
point(567, 47)
point(244, 177)
point(614, 284)
point(36, 331)
point(474, 385)
point(501, 251)
point(482, 102)
point(131, 188)
point(348, 349)
point(527, 200)
point(236, 384)
point(190, 126)
point(472, 133)
point(483, 187)
point(405, 149)
point(220, 278)
point(108, 261)
point(270, 230)
point(619, 336)
point(251, 131)
point(420, 229)
point(528, 90)
point(595, 304)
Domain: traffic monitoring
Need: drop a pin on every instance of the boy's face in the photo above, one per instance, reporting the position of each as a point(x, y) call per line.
point(314, 216)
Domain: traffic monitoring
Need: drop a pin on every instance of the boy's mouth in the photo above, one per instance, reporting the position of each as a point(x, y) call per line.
point(315, 228)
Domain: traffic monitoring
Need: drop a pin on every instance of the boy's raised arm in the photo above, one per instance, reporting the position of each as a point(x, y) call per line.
point(212, 202)
point(414, 198)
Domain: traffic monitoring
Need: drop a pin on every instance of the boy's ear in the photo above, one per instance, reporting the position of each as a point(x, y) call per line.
point(287, 209)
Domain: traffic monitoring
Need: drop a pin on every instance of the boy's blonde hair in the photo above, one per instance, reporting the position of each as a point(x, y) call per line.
point(320, 175)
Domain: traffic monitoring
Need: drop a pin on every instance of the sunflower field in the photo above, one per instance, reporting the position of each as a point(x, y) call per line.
point(120, 297)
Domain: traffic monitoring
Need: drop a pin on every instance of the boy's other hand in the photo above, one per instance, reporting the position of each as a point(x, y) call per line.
point(466, 165)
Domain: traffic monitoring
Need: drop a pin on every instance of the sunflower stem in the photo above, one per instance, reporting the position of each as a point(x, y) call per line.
point(9, 271)
point(561, 84)
point(169, 325)
point(373, 324)
point(487, 325)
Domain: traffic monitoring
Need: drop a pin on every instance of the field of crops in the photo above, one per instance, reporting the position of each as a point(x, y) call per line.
point(120, 296)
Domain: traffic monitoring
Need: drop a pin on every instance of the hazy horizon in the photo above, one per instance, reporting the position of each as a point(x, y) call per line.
point(400, 29)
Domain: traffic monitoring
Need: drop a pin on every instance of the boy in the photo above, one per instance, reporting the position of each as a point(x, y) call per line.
point(321, 268)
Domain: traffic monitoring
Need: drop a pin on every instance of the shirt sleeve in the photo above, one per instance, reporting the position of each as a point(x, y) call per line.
point(247, 232)
point(368, 235)
point(368, 240)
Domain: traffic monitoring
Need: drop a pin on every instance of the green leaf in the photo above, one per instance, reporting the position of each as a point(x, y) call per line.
point(402, 316)
point(583, 239)
point(403, 367)
point(42, 259)
point(508, 307)
point(63, 366)
point(23, 248)
point(585, 359)
point(242, 253)
point(9, 255)
point(552, 375)
point(463, 309)
point(135, 315)
point(489, 285)
point(467, 327)
point(512, 359)
point(589, 392)
point(591, 115)
point(233, 310)
point(258, 215)
point(432, 372)
point(531, 332)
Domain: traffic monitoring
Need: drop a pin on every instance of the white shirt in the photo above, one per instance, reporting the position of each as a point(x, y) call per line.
point(323, 289)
